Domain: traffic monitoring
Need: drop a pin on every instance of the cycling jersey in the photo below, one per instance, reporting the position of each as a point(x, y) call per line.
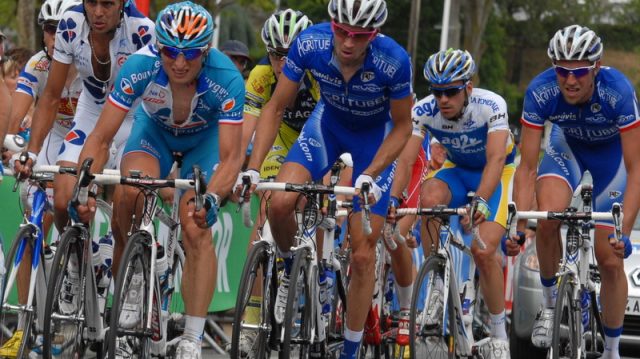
point(586, 136)
point(32, 81)
point(352, 116)
point(613, 108)
point(465, 138)
point(364, 100)
point(260, 86)
point(219, 99)
point(73, 46)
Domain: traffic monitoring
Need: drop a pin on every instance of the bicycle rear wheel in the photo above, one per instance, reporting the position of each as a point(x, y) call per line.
point(9, 318)
point(567, 321)
point(63, 321)
point(129, 334)
point(301, 307)
point(255, 269)
point(430, 338)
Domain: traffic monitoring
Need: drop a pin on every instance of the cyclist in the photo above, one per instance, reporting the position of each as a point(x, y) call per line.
point(594, 114)
point(96, 38)
point(192, 99)
point(471, 123)
point(31, 83)
point(365, 85)
point(278, 34)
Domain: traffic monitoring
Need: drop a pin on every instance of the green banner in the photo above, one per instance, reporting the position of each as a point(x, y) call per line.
point(229, 235)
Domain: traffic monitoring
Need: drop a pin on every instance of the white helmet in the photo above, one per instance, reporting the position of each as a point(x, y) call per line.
point(362, 13)
point(52, 10)
point(575, 42)
point(281, 28)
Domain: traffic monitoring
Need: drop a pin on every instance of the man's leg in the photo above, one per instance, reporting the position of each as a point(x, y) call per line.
point(613, 293)
point(63, 185)
point(552, 194)
point(434, 192)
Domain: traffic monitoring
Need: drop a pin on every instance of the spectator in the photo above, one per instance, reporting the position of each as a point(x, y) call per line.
point(238, 52)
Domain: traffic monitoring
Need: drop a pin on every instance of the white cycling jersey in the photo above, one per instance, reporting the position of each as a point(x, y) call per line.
point(73, 46)
point(465, 138)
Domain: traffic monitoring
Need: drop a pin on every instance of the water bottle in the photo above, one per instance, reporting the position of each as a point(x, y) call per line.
point(326, 279)
point(584, 304)
point(162, 271)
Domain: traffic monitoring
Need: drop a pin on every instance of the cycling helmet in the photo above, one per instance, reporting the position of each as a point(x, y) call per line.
point(52, 10)
point(448, 66)
point(362, 13)
point(184, 25)
point(575, 42)
point(282, 27)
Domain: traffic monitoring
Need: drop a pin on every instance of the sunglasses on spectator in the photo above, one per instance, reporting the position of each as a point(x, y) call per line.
point(277, 55)
point(189, 54)
point(50, 28)
point(343, 32)
point(578, 72)
point(241, 60)
point(447, 91)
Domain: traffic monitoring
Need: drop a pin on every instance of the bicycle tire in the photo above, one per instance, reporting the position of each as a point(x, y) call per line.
point(301, 306)
point(594, 348)
point(70, 244)
point(567, 320)
point(135, 260)
point(254, 269)
point(437, 343)
point(337, 316)
point(24, 231)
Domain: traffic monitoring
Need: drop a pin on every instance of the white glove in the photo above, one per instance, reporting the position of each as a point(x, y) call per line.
point(374, 189)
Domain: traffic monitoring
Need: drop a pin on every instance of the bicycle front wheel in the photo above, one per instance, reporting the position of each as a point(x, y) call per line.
point(301, 306)
point(258, 329)
point(128, 334)
point(63, 322)
point(567, 321)
point(431, 328)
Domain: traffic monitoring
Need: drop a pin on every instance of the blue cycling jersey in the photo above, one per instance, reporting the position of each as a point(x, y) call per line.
point(613, 108)
point(219, 94)
point(364, 100)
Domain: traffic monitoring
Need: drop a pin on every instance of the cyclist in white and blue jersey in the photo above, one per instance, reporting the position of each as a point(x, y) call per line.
point(472, 124)
point(364, 109)
point(96, 38)
point(192, 100)
point(595, 117)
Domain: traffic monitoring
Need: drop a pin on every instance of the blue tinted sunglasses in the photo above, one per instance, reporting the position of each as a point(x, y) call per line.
point(447, 91)
point(578, 72)
point(189, 54)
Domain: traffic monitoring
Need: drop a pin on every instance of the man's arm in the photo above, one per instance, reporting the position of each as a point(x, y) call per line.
point(527, 171)
point(47, 107)
point(395, 141)
point(249, 123)
point(496, 155)
point(270, 118)
point(97, 145)
point(229, 150)
point(21, 102)
point(406, 160)
point(631, 152)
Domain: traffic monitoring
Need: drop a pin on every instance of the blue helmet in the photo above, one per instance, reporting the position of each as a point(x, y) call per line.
point(448, 66)
point(184, 25)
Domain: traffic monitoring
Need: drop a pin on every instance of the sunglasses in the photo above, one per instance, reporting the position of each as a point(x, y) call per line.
point(50, 28)
point(189, 54)
point(343, 32)
point(277, 55)
point(447, 91)
point(577, 72)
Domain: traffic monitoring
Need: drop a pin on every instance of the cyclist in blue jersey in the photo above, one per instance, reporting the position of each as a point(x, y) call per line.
point(595, 126)
point(191, 102)
point(364, 109)
point(471, 123)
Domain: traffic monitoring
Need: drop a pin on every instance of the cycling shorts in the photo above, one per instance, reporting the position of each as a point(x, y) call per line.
point(603, 160)
point(84, 121)
point(279, 150)
point(464, 180)
point(323, 139)
point(199, 148)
